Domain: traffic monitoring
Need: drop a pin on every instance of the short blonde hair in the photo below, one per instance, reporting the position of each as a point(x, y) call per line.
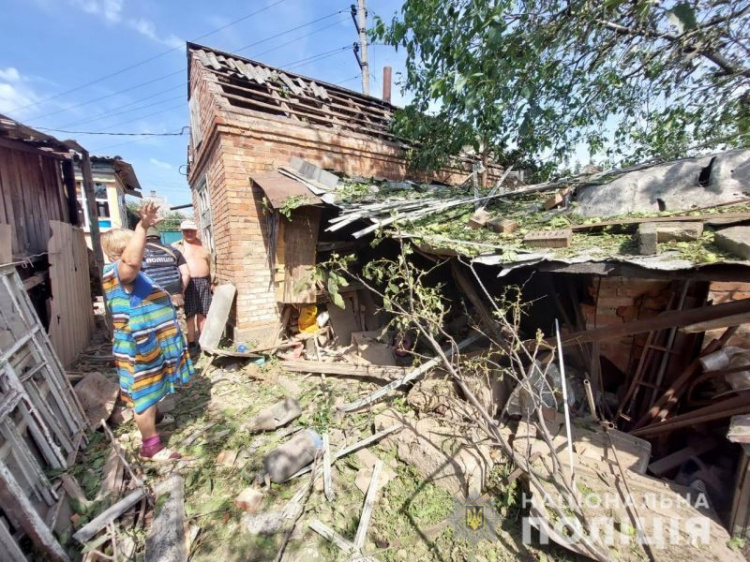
point(114, 242)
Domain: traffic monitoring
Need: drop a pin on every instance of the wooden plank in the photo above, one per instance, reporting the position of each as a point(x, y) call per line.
point(344, 369)
point(734, 320)
point(6, 242)
point(739, 519)
point(14, 499)
point(9, 550)
point(217, 317)
point(300, 250)
point(72, 314)
point(364, 520)
point(488, 321)
point(672, 461)
point(665, 320)
point(737, 217)
point(166, 538)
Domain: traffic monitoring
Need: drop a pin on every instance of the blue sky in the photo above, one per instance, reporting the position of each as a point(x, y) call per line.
point(50, 47)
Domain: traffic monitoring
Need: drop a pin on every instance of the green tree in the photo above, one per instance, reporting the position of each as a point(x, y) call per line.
point(628, 79)
point(171, 219)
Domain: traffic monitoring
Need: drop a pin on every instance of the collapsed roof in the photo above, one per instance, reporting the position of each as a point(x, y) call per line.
point(559, 225)
point(253, 85)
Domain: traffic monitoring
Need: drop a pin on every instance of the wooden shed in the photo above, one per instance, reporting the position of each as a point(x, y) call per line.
point(39, 232)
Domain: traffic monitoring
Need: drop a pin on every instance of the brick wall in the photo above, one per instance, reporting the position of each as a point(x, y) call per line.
point(618, 300)
point(237, 143)
point(721, 292)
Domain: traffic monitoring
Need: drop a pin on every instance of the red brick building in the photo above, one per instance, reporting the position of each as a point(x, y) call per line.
point(248, 118)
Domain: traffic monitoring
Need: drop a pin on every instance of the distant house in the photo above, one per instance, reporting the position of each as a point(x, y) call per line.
point(248, 118)
point(113, 180)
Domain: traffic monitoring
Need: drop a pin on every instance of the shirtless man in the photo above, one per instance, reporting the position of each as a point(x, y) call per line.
point(198, 293)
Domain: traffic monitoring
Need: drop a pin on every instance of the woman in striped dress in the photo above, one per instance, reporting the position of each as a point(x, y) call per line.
point(148, 346)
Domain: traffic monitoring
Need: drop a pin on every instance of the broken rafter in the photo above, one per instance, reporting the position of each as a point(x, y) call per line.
point(723, 315)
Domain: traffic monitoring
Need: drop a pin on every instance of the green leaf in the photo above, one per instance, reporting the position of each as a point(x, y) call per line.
point(338, 300)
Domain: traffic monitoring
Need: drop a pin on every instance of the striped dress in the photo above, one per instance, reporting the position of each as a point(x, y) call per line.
point(148, 346)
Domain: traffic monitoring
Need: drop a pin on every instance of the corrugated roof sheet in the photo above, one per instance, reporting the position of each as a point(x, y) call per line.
point(253, 85)
point(13, 130)
point(279, 189)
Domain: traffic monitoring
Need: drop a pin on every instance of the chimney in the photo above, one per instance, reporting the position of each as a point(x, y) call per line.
point(387, 84)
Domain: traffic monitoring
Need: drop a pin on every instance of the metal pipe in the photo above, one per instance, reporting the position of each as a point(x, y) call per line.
point(590, 398)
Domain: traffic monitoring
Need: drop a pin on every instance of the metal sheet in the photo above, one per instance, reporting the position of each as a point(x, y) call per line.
point(279, 188)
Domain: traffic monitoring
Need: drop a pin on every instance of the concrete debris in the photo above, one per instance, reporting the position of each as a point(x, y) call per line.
point(650, 234)
point(736, 240)
point(283, 462)
point(432, 395)
point(97, 395)
point(278, 415)
point(450, 459)
point(249, 500)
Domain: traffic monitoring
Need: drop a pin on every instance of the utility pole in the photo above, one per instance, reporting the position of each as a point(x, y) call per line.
point(360, 20)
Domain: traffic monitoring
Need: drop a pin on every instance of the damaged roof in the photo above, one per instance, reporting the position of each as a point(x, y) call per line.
point(588, 223)
point(256, 86)
point(11, 129)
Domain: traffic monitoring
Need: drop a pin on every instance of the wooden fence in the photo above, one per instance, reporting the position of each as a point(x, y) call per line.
point(72, 313)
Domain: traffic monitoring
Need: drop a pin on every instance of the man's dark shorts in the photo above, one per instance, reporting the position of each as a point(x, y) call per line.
point(198, 296)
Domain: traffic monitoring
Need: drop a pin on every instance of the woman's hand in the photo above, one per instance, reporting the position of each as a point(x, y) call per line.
point(148, 213)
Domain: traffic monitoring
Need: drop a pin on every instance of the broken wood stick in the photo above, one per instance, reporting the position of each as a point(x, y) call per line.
point(351, 448)
point(14, 500)
point(329, 534)
point(431, 364)
point(364, 520)
point(724, 409)
point(90, 529)
point(343, 369)
point(166, 538)
point(665, 320)
point(327, 479)
point(118, 451)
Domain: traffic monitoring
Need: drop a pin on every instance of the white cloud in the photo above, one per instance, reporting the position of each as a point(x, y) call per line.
point(9, 74)
point(160, 164)
point(110, 10)
point(15, 91)
point(148, 29)
point(113, 13)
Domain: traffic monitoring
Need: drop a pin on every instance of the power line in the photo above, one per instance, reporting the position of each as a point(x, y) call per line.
point(277, 47)
point(147, 60)
point(114, 134)
point(183, 70)
point(314, 58)
point(114, 114)
point(103, 130)
point(108, 96)
point(287, 31)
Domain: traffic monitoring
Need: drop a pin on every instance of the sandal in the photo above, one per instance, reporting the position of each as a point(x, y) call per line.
point(164, 455)
point(164, 419)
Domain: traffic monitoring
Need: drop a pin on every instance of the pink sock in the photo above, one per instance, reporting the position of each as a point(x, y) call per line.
point(151, 446)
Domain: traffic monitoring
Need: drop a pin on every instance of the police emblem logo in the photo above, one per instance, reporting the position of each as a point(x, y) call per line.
point(475, 517)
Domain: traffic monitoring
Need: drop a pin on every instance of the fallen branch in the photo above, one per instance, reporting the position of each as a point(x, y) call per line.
point(431, 364)
point(90, 529)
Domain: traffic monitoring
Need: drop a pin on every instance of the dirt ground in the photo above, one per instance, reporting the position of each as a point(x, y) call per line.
point(412, 519)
